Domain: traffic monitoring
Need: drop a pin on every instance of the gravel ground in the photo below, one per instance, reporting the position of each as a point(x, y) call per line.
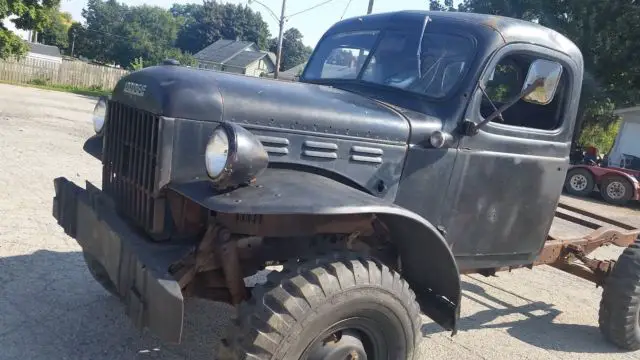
point(52, 309)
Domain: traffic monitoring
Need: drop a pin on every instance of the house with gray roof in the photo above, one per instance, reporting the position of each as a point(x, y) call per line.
point(48, 53)
point(241, 57)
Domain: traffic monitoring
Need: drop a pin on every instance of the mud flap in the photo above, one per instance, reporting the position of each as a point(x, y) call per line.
point(137, 267)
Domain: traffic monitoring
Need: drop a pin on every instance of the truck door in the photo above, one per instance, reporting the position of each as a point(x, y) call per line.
point(508, 177)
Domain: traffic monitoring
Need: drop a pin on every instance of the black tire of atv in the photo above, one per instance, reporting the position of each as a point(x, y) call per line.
point(628, 188)
point(620, 304)
point(591, 183)
point(99, 274)
point(295, 306)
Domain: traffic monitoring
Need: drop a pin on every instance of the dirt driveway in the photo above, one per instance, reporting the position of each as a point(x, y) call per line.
point(50, 307)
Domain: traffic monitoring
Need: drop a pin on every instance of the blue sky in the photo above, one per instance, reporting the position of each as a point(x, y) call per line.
point(312, 24)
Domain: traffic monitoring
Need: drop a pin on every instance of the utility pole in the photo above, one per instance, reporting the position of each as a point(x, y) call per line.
point(281, 21)
point(370, 10)
point(73, 43)
point(279, 56)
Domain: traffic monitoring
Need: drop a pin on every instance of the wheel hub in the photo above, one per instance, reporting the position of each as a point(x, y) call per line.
point(342, 345)
point(578, 182)
point(616, 190)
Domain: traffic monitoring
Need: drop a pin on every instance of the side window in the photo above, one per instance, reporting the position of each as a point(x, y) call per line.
point(507, 81)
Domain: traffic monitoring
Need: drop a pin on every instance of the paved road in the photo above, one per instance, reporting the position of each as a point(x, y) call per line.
point(50, 308)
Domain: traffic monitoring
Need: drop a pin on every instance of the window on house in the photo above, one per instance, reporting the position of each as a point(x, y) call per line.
point(507, 81)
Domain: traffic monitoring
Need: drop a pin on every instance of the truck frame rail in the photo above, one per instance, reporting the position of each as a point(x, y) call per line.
point(572, 254)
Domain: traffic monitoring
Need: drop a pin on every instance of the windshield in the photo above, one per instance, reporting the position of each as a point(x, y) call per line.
point(430, 65)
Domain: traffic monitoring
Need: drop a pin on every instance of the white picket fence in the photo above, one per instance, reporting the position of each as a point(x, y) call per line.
point(74, 73)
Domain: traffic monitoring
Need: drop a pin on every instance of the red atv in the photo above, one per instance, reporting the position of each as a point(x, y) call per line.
point(617, 185)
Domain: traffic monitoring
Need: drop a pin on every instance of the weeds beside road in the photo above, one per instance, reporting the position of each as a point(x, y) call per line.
point(93, 91)
point(51, 308)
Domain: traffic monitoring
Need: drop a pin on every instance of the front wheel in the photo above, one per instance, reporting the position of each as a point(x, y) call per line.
point(341, 307)
point(620, 305)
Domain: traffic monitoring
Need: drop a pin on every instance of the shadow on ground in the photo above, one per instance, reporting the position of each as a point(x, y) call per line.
point(51, 305)
point(537, 327)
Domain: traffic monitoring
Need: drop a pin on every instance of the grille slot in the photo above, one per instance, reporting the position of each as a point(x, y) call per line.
point(129, 164)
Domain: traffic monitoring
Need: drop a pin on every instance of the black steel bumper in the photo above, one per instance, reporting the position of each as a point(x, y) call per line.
point(137, 267)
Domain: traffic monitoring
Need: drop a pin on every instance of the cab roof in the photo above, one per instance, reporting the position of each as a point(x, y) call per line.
point(510, 30)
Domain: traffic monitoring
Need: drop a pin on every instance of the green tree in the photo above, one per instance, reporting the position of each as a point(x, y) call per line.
point(147, 32)
point(184, 58)
point(437, 5)
point(101, 37)
point(212, 21)
point(57, 33)
point(137, 64)
point(294, 51)
point(30, 15)
point(77, 38)
point(120, 34)
point(191, 33)
point(608, 35)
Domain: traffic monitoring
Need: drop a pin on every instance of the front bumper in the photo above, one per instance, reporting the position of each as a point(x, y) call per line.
point(138, 268)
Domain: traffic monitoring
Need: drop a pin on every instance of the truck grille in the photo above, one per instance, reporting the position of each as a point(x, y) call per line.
point(129, 163)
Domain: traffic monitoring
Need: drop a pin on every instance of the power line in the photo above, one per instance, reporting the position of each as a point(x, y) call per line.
point(345, 10)
point(273, 15)
point(309, 9)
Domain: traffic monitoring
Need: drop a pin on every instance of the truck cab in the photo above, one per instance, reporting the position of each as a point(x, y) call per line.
point(416, 146)
point(505, 179)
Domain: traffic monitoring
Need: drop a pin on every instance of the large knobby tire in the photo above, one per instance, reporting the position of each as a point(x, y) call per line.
point(99, 273)
point(620, 304)
point(616, 190)
point(579, 182)
point(341, 303)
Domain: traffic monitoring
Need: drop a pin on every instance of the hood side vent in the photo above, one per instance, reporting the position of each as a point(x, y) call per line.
point(317, 149)
point(275, 145)
point(366, 154)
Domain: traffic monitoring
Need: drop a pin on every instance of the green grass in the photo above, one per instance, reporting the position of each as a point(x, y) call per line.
point(93, 91)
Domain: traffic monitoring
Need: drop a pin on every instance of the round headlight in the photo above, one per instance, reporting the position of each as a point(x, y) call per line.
point(99, 115)
point(217, 153)
point(234, 156)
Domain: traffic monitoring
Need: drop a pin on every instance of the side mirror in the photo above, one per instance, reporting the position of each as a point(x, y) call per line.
point(546, 72)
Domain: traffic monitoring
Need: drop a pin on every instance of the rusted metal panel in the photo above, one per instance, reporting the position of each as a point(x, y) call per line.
point(553, 249)
point(295, 225)
point(226, 249)
point(571, 255)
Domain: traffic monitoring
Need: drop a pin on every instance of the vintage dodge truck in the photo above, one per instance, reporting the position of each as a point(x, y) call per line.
point(417, 146)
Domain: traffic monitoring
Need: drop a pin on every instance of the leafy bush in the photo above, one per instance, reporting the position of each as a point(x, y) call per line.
point(137, 64)
point(39, 82)
point(599, 135)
